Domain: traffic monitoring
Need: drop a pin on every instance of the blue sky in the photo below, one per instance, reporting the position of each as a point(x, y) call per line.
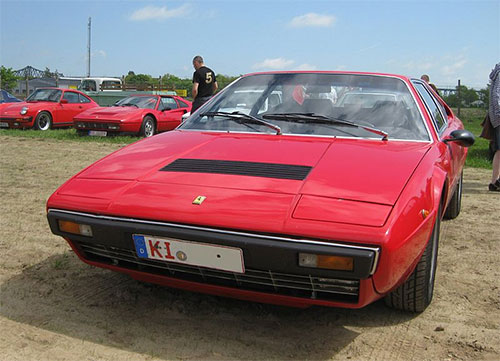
point(448, 40)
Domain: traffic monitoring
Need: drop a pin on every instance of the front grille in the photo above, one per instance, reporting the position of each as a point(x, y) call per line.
point(269, 170)
point(93, 125)
point(312, 287)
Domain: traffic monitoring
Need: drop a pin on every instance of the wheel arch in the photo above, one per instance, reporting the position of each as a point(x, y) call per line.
point(154, 119)
point(46, 111)
point(410, 225)
point(43, 111)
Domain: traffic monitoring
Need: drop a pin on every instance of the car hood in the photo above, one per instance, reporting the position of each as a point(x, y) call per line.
point(139, 180)
point(15, 108)
point(110, 113)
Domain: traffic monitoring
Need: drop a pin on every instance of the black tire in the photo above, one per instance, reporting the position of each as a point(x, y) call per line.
point(415, 294)
point(43, 121)
point(148, 126)
point(455, 204)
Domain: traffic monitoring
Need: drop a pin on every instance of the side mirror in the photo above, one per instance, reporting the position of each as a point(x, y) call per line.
point(64, 101)
point(462, 137)
point(166, 108)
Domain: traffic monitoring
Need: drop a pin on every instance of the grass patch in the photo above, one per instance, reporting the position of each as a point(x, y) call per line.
point(67, 134)
point(61, 262)
point(471, 117)
point(478, 153)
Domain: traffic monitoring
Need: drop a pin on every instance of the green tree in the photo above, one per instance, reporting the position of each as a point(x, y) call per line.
point(7, 78)
point(174, 82)
point(47, 73)
point(484, 95)
point(225, 80)
point(466, 97)
point(139, 79)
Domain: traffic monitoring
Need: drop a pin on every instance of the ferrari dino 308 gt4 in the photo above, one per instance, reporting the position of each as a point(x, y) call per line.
point(294, 188)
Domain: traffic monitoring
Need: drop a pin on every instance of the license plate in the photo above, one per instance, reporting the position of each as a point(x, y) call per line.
point(4, 125)
point(98, 133)
point(191, 253)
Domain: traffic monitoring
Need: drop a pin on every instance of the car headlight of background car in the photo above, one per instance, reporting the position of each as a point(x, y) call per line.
point(24, 110)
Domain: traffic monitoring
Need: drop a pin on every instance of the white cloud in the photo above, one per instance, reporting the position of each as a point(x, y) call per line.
point(312, 19)
point(274, 64)
point(453, 69)
point(159, 13)
point(98, 53)
point(418, 65)
point(306, 67)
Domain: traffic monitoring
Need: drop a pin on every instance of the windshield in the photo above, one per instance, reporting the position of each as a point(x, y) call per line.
point(45, 95)
point(87, 85)
point(138, 102)
point(315, 104)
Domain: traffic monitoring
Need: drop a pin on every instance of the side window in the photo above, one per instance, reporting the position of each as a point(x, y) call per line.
point(169, 103)
point(83, 99)
point(110, 84)
point(182, 104)
point(435, 110)
point(71, 97)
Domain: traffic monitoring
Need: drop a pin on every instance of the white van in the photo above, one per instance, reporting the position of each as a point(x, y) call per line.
point(100, 84)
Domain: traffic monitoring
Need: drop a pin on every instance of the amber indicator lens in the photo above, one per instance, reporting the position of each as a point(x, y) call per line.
point(75, 228)
point(338, 263)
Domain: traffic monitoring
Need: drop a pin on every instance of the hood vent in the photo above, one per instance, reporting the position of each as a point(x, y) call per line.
point(253, 169)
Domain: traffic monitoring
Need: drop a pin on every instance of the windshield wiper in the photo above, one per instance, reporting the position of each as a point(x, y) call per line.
point(321, 119)
point(129, 105)
point(244, 118)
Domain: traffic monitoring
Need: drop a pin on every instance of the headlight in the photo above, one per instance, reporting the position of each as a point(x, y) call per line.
point(24, 110)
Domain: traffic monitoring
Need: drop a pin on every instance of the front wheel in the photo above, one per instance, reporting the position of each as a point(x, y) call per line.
point(455, 204)
point(43, 121)
point(415, 294)
point(148, 127)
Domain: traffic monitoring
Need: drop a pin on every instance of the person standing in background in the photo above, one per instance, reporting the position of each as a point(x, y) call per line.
point(204, 83)
point(425, 78)
point(494, 114)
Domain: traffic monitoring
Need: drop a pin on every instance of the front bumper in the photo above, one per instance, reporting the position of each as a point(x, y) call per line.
point(272, 273)
point(109, 126)
point(21, 122)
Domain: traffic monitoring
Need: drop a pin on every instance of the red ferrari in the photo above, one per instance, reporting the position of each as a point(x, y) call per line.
point(293, 188)
point(138, 114)
point(46, 108)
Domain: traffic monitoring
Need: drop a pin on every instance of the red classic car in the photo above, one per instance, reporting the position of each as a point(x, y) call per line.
point(46, 108)
point(138, 114)
point(273, 192)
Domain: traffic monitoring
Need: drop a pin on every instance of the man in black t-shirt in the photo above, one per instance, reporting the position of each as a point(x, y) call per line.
point(204, 83)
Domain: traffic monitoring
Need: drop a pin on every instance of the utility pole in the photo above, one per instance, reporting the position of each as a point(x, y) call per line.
point(88, 48)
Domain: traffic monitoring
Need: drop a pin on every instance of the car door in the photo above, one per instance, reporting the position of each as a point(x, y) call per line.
point(170, 113)
point(69, 107)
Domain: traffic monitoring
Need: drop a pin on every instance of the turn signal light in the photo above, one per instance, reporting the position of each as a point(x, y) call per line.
point(338, 263)
point(75, 228)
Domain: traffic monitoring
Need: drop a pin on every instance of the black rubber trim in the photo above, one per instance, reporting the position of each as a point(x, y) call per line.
point(254, 169)
point(259, 251)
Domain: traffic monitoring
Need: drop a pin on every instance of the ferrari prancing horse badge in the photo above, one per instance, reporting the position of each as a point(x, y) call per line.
point(199, 200)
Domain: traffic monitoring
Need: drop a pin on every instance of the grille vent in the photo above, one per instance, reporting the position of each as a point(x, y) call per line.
point(254, 169)
point(303, 286)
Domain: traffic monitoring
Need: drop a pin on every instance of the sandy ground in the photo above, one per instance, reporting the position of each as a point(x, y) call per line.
point(54, 307)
